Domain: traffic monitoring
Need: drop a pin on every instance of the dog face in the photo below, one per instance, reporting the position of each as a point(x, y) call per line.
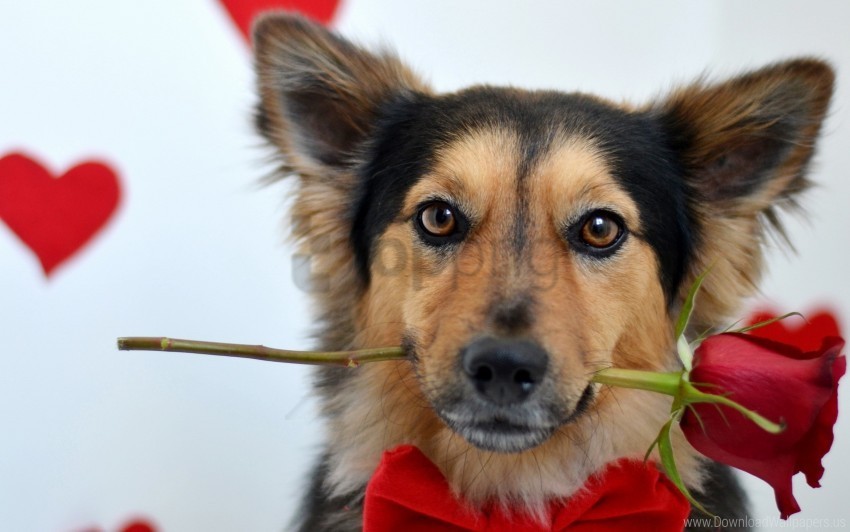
point(515, 242)
point(504, 253)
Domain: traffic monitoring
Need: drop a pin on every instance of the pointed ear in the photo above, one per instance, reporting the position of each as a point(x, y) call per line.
point(745, 147)
point(319, 93)
point(750, 138)
point(320, 99)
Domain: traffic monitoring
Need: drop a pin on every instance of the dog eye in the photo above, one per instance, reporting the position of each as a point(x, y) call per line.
point(600, 230)
point(438, 219)
point(440, 223)
point(598, 233)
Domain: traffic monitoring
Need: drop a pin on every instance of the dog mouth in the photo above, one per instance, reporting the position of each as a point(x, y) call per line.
point(500, 435)
point(512, 430)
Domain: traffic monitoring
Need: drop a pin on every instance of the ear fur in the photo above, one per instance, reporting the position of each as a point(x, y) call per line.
point(320, 96)
point(745, 147)
point(319, 93)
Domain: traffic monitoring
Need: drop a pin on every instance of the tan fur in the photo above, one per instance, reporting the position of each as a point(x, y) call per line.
point(576, 319)
point(360, 79)
point(320, 215)
point(728, 115)
point(587, 314)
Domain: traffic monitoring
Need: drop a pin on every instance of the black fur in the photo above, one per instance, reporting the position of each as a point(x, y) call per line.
point(322, 513)
point(725, 499)
point(413, 127)
point(345, 108)
point(514, 315)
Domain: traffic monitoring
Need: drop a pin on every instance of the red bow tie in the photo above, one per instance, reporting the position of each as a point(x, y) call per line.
point(409, 493)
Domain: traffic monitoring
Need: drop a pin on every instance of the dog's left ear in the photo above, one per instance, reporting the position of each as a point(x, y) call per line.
point(745, 147)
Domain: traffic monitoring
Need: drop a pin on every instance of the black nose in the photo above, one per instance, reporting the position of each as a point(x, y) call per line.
point(504, 371)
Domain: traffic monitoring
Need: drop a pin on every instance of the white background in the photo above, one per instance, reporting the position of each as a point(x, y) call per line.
point(163, 90)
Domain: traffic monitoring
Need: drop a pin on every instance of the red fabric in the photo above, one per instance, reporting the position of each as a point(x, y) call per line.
point(55, 216)
point(243, 11)
point(409, 493)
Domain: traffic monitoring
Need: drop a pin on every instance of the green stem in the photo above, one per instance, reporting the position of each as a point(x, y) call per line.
point(686, 354)
point(693, 395)
point(351, 358)
point(768, 322)
point(666, 383)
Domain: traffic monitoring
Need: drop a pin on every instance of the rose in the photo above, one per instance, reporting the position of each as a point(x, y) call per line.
point(803, 334)
point(734, 388)
point(780, 382)
point(726, 397)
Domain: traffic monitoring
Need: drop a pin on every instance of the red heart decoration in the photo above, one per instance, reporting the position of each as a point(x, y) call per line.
point(135, 525)
point(139, 525)
point(804, 334)
point(56, 216)
point(243, 11)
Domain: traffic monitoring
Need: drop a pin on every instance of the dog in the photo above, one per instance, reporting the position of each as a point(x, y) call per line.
point(514, 242)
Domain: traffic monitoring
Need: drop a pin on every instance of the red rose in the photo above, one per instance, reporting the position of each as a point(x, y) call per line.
point(805, 334)
point(780, 382)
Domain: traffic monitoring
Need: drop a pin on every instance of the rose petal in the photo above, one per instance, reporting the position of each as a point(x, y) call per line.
point(819, 440)
point(779, 382)
point(806, 336)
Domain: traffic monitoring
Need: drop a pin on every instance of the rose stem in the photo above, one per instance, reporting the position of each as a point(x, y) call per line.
point(351, 358)
point(666, 383)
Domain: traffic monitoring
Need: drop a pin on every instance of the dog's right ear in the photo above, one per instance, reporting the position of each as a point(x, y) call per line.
point(319, 93)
